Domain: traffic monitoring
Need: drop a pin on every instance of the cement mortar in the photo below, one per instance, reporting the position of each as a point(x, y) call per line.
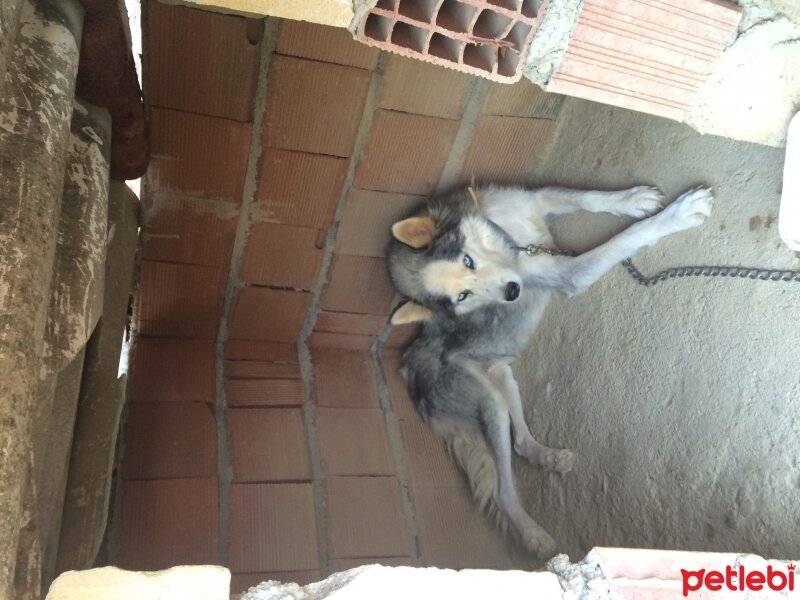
point(682, 401)
point(551, 40)
point(754, 89)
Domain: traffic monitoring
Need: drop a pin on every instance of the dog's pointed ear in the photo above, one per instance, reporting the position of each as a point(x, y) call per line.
point(411, 312)
point(416, 232)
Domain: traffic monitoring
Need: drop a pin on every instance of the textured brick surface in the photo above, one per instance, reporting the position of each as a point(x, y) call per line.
point(272, 528)
point(347, 323)
point(490, 39)
point(197, 155)
point(405, 153)
point(428, 462)
point(649, 56)
point(188, 230)
point(261, 351)
point(506, 149)
point(344, 379)
point(256, 369)
point(268, 444)
point(297, 188)
point(282, 256)
point(168, 522)
point(264, 392)
point(179, 300)
point(398, 393)
point(241, 582)
point(400, 336)
point(313, 106)
point(353, 441)
point(200, 62)
point(168, 440)
point(453, 534)
point(268, 315)
point(166, 370)
point(325, 339)
point(365, 229)
point(327, 44)
point(358, 284)
point(366, 518)
point(413, 86)
point(522, 99)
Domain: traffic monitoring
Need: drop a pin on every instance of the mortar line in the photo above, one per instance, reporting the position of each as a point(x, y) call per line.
point(466, 130)
point(453, 165)
point(396, 444)
point(224, 469)
point(303, 352)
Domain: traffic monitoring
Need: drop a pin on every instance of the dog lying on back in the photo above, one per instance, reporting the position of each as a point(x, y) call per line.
point(463, 266)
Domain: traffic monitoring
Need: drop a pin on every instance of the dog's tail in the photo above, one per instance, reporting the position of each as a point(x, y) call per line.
point(468, 446)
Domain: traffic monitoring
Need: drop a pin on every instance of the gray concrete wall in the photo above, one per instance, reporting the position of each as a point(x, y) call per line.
point(681, 400)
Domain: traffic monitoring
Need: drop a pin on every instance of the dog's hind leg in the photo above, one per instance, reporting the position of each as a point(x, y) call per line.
point(639, 202)
point(555, 459)
point(495, 424)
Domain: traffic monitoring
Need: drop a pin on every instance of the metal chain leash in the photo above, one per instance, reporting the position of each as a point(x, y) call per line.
point(534, 249)
point(680, 272)
point(710, 271)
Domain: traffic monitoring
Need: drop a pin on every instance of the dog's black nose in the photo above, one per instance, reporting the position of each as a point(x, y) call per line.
point(512, 291)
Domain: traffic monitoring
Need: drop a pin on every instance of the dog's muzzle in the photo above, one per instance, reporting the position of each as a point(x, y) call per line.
point(512, 291)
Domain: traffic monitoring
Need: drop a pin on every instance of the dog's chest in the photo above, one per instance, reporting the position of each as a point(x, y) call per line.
point(504, 329)
point(523, 228)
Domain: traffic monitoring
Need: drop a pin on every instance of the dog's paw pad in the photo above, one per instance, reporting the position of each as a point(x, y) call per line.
point(641, 202)
point(537, 541)
point(560, 461)
point(691, 208)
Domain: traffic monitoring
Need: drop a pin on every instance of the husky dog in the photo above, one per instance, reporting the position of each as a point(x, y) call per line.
point(463, 266)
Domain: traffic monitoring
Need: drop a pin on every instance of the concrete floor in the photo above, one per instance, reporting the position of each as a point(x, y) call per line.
point(682, 401)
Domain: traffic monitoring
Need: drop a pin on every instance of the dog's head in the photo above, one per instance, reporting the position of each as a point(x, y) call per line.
point(449, 262)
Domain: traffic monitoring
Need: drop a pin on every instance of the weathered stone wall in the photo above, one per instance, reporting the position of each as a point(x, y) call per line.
point(55, 236)
point(101, 398)
point(35, 111)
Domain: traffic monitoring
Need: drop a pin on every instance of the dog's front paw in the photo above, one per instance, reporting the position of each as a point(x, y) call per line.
point(689, 210)
point(560, 461)
point(537, 541)
point(640, 202)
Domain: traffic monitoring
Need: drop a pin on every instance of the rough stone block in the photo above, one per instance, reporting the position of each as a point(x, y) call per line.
point(102, 396)
point(76, 296)
point(177, 583)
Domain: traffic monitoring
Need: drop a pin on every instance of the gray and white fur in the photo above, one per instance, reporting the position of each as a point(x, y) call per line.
point(480, 299)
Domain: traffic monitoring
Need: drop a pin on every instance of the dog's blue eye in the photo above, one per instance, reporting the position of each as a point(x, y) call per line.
point(463, 296)
point(470, 264)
